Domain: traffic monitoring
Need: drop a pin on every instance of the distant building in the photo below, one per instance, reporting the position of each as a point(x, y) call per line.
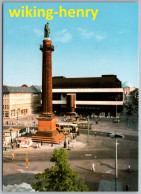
point(90, 95)
point(13, 133)
point(127, 88)
point(18, 101)
point(97, 95)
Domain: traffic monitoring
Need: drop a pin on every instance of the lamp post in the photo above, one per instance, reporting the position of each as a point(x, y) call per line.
point(88, 130)
point(116, 108)
point(34, 123)
point(10, 133)
point(115, 135)
point(17, 114)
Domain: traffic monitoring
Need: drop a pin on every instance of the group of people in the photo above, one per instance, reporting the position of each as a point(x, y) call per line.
point(27, 162)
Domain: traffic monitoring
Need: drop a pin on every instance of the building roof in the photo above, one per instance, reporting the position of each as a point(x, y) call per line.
point(61, 82)
point(127, 84)
point(19, 89)
point(105, 81)
point(23, 138)
point(13, 130)
point(37, 88)
point(5, 90)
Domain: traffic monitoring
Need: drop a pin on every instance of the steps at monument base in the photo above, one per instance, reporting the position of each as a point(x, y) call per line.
point(45, 139)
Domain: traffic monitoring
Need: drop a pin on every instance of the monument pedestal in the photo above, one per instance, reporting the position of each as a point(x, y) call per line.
point(47, 132)
point(46, 122)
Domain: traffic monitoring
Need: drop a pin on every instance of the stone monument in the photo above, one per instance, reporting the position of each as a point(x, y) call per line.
point(47, 121)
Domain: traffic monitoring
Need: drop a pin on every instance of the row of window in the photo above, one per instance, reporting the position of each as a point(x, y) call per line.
point(93, 96)
point(5, 106)
point(5, 100)
point(5, 95)
point(5, 114)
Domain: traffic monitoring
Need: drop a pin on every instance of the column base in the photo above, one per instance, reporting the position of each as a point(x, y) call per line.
point(47, 132)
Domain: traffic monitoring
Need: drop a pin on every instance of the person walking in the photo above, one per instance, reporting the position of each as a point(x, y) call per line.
point(93, 167)
point(27, 162)
point(129, 168)
point(12, 155)
point(73, 144)
point(126, 187)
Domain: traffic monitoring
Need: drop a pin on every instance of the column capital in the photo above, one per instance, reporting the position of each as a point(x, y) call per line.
point(45, 47)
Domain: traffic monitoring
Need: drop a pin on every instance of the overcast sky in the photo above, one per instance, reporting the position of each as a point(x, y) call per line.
point(83, 47)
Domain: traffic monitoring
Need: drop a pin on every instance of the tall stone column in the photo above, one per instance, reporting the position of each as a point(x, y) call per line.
point(47, 131)
point(47, 49)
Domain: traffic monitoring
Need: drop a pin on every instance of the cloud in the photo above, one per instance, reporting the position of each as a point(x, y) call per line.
point(122, 31)
point(97, 35)
point(100, 36)
point(63, 36)
point(85, 33)
point(38, 32)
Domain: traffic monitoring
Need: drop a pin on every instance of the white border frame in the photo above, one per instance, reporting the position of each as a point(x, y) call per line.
point(1, 73)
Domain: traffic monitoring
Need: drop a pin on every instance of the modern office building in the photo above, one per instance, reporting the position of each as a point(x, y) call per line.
point(97, 95)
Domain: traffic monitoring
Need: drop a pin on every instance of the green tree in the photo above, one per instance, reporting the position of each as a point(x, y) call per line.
point(131, 104)
point(59, 177)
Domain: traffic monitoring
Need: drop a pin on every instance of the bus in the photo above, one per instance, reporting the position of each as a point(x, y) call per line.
point(71, 128)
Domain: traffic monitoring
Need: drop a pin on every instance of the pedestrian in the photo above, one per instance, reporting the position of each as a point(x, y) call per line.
point(95, 133)
point(96, 121)
point(68, 144)
point(5, 148)
point(12, 155)
point(129, 167)
point(12, 146)
point(27, 162)
point(126, 187)
point(93, 167)
point(73, 144)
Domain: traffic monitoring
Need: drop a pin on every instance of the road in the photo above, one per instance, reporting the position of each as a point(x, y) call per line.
point(100, 149)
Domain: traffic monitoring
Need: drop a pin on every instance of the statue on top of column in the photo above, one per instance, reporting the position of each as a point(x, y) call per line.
point(46, 30)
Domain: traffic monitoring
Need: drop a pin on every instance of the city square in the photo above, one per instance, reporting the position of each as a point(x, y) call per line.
point(100, 149)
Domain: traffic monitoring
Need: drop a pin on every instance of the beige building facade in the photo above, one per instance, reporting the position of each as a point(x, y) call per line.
point(19, 101)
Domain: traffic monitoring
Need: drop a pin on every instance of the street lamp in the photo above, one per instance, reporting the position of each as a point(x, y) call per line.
point(88, 130)
point(116, 108)
point(115, 135)
point(34, 123)
point(10, 133)
point(65, 144)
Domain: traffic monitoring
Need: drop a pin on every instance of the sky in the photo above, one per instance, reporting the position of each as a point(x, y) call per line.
point(83, 47)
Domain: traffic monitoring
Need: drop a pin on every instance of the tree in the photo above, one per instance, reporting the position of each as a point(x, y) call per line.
point(131, 104)
point(59, 177)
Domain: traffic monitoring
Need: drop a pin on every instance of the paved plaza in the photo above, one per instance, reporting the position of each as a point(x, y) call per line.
point(95, 147)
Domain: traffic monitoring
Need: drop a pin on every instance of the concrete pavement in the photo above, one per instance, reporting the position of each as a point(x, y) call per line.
point(82, 154)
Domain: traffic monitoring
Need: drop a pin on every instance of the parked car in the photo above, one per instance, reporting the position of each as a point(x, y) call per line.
point(116, 120)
